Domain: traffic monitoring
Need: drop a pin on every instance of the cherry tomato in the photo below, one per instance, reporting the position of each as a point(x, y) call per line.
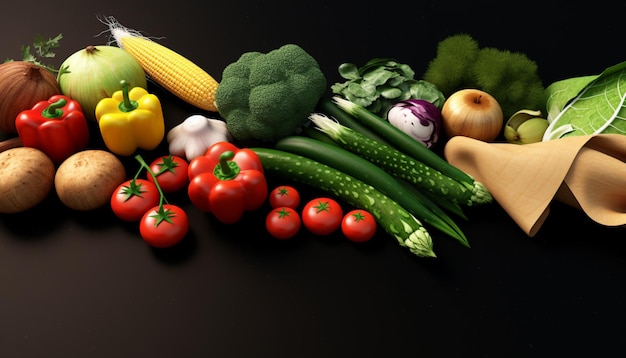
point(164, 226)
point(322, 216)
point(283, 222)
point(133, 198)
point(358, 225)
point(171, 172)
point(284, 196)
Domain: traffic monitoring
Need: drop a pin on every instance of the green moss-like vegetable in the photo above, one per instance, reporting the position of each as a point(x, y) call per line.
point(511, 78)
point(269, 96)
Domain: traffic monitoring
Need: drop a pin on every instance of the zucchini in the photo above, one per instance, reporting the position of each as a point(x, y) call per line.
point(393, 218)
point(407, 144)
point(364, 170)
point(402, 165)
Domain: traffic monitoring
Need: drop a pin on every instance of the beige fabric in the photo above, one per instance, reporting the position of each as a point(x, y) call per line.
point(587, 172)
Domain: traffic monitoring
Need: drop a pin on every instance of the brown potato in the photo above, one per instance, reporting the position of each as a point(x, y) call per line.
point(26, 178)
point(86, 180)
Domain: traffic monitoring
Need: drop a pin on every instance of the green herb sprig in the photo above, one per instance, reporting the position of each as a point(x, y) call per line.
point(41, 50)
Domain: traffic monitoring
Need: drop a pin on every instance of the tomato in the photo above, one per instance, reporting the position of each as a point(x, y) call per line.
point(171, 172)
point(358, 225)
point(164, 226)
point(284, 196)
point(283, 222)
point(133, 198)
point(322, 216)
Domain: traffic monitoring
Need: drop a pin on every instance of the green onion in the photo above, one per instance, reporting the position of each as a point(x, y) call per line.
point(331, 109)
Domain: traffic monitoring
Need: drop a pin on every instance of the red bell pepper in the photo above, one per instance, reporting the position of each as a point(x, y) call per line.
point(227, 181)
point(57, 127)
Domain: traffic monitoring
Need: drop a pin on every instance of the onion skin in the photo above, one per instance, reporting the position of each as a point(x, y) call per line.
point(472, 113)
point(22, 85)
point(93, 73)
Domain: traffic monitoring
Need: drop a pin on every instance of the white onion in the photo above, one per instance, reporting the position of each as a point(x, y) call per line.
point(95, 72)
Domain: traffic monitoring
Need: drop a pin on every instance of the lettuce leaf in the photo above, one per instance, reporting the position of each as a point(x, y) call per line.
point(558, 94)
point(587, 105)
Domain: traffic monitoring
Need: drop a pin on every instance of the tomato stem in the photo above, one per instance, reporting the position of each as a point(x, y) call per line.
point(144, 165)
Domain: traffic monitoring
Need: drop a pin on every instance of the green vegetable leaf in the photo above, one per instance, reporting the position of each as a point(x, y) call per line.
point(44, 47)
point(382, 82)
point(349, 71)
point(378, 77)
point(391, 92)
point(27, 56)
point(598, 108)
point(43, 50)
point(558, 94)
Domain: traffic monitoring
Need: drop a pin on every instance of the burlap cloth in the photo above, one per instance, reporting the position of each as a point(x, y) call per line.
point(587, 172)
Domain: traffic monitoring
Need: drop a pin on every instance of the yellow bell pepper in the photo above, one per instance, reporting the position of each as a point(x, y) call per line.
point(130, 120)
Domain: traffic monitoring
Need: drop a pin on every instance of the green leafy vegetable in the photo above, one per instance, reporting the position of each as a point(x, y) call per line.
point(598, 108)
point(382, 82)
point(558, 94)
point(43, 49)
point(510, 77)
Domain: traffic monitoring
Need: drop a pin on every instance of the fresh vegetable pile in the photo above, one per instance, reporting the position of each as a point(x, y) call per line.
point(367, 151)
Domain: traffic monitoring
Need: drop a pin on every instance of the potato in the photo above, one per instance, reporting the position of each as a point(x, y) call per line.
point(86, 180)
point(26, 178)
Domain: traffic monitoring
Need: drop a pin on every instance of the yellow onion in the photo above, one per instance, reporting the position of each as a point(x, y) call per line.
point(22, 85)
point(93, 73)
point(472, 113)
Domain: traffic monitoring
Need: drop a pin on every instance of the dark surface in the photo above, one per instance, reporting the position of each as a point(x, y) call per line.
point(84, 284)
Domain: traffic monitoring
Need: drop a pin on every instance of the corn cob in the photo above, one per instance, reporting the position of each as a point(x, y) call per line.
point(167, 68)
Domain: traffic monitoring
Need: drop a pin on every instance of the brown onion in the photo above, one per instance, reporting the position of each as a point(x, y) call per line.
point(22, 85)
point(472, 113)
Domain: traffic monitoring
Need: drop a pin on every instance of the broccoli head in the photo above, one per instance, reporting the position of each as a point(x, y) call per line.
point(269, 96)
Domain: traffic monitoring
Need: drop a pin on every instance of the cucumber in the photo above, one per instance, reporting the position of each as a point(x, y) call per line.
point(393, 218)
point(401, 165)
point(407, 144)
point(364, 170)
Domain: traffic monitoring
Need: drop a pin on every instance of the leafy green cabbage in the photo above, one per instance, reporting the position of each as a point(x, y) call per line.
point(587, 105)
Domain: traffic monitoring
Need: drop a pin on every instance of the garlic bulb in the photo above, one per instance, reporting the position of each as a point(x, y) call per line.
point(525, 126)
point(192, 137)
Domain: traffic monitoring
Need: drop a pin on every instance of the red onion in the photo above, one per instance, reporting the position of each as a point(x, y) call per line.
point(418, 118)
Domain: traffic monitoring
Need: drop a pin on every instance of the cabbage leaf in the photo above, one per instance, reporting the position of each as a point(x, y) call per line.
point(558, 94)
point(588, 105)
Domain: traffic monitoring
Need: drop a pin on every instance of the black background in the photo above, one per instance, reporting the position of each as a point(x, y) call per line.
point(84, 284)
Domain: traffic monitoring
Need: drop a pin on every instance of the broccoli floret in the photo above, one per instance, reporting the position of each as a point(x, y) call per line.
point(511, 78)
point(269, 96)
